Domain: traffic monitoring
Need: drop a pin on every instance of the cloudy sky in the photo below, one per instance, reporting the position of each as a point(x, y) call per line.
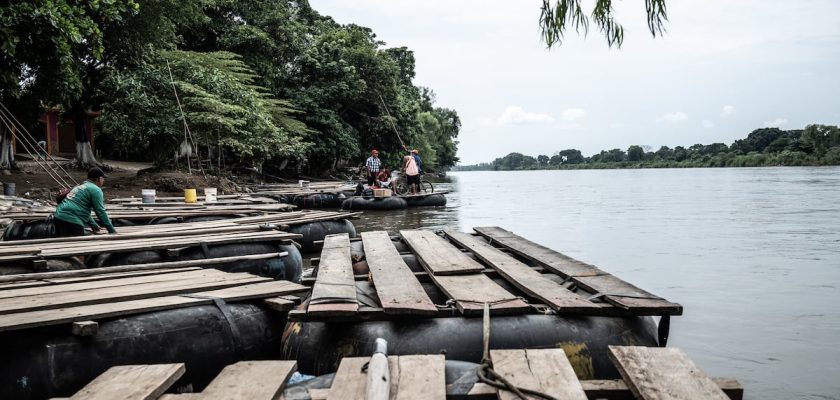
point(723, 69)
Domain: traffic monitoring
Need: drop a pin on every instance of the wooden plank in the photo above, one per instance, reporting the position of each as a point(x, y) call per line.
point(334, 292)
point(256, 380)
point(130, 382)
point(115, 309)
point(524, 277)
point(82, 248)
point(108, 283)
point(123, 293)
point(418, 377)
point(551, 259)
point(604, 389)
point(158, 267)
point(350, 381)
point(437, 255)
point(659, 373)
point(615, 290)
point(544, 370)
point(398, 290)
point(470, 292)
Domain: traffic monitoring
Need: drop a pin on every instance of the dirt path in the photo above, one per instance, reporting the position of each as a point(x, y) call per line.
point(123, 181)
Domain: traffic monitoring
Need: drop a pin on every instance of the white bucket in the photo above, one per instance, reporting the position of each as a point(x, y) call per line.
point(148, 196)
point(210, 195)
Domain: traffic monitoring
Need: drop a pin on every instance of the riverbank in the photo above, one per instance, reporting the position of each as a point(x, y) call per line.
point(124, 179)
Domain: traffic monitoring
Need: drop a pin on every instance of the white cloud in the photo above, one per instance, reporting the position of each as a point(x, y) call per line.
point(776, 123)
point(572, 114)
point(673, 117)
point(516, 115)
point(708, 124)
point(727, 111)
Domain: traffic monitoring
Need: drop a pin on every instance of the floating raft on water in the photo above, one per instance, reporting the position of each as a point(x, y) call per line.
point(648, 373)
point(60, 330)
point(423, 291)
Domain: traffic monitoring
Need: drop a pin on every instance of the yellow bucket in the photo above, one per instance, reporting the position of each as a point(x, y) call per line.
point(190, 196)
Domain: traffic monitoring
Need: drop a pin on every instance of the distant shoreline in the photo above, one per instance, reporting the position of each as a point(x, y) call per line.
point(638, 166)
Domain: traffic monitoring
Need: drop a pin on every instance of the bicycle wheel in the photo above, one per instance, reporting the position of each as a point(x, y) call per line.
point(401, 188)
point(426, 187)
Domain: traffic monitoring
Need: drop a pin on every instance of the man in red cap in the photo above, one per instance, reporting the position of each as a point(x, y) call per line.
point(372, 165)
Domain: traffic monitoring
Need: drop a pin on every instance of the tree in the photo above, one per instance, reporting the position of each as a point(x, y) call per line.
point(542, 160)
point(635, 153)
point(59, 51)
point(556, 18)
point(820, 138)
point(664, 153)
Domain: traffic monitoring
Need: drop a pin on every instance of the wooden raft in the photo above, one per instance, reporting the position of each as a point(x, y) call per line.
point(415, 377)
point(72, 299)
point(464, 267)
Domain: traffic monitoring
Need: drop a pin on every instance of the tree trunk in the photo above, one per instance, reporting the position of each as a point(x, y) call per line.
point(7, 156)
point(84, 152)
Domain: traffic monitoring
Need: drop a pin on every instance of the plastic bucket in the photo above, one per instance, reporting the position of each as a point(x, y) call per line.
point(210, 195)
point(148, 196)
point(9, 189)
point(190, 196)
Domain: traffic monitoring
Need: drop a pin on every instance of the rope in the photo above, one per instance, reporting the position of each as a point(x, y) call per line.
point(187, 131)
point(33, 143)
point(390, 119)
point(487, 375)
point(53, 175)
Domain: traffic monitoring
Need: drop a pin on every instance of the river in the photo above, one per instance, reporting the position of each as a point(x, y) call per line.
point(752, 254)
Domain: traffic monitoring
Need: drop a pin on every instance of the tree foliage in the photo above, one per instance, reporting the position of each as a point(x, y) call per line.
point(270, 80)
point(815, 145)
point(557, 16)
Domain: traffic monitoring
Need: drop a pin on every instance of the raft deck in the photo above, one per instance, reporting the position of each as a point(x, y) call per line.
point(648, 373)
point(79, 297)
point(463, 266)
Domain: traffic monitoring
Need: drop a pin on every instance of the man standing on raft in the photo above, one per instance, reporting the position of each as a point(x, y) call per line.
point(73, 213)
point(372, 165)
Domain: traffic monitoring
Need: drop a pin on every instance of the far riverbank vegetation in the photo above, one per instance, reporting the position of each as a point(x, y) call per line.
point(814, 145)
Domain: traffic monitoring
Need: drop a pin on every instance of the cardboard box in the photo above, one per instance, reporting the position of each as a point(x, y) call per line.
point(381, 192)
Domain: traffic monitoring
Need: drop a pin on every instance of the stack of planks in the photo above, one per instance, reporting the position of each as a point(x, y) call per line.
point(34, 300)
point(264, 228)
point(463, 268)
point(148, 212)
point(649, 373)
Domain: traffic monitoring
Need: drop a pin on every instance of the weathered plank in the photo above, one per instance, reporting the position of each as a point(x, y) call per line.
point(551, 259)
point(256, 380)
point(660, 373)
point(544, 370)
point(437, 255)
point(398, 290)
point(418, 377)
point(470, 292)
point(131, 382)
point(334, 292)
point(107, 310)
point(124, 293)
point(108, 283)
point(524, 277)
point(126, 270)
point(350, 381)
point(614, 290)
point(605, 389)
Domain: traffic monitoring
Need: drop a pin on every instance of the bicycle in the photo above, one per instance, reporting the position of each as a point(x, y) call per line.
point(402, 188)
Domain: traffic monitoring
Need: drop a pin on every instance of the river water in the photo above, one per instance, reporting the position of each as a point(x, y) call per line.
point(752, 254)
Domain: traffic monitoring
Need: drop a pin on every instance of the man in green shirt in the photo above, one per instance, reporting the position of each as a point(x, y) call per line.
point(73, 213)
